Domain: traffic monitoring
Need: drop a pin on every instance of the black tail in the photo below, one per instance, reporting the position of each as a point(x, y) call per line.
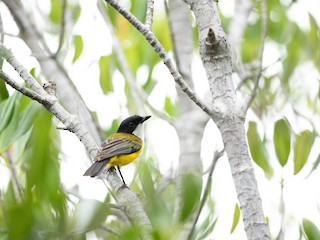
point(96, 168)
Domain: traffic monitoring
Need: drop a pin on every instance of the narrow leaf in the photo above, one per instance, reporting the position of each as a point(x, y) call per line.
point(315, 165)
point(78, 44)
point(55, 11)
point(169, 107)
point(6, 111)
point(258, 150)
point(282, 140)
point(236, 217)
point(302, 147)
point(311, 230)
point(105, 75)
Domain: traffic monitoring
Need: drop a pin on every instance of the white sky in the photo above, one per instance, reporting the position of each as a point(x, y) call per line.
point(301, 199)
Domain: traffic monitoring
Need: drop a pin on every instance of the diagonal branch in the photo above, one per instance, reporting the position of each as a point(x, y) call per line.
point(154, 42)
point(217, 155)
point(253, 93)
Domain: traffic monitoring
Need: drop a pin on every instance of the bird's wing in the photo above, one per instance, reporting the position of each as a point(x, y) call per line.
point(117, 146)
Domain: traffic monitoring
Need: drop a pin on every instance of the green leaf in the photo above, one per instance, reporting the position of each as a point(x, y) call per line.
point(4, 94)
point(95, 214)
point(282, 140)
point(191, 191)
point(55, 11)
point(258, 150)
point(311, 230)
point(236, 217)
point(302, 147)
point(315, 165)
point(27, 118)
point(78, 44)
point(208, 226)
point(105, 74)
point(6, 111)
point(170, 108)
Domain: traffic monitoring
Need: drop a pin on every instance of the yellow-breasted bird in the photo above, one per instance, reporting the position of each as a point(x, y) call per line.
point(120, 148)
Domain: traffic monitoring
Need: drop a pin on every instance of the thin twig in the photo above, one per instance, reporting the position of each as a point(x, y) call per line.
point(154, 42)
point(216, 157)
point(15, 180)
point(1, 29)
point(62, 28)
point(149, 16)
point(109, 230)
point(253, 94)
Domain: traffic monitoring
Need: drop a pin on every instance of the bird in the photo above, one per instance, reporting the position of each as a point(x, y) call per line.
point(120, 148)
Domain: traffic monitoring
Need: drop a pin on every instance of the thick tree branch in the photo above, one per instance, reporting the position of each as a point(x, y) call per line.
point(253, 94)
point(154, 42)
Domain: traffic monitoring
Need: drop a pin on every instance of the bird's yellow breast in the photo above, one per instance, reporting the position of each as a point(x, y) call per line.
point(122, 160)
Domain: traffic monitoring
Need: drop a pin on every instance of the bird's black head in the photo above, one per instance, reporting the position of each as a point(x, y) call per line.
point(130, 124)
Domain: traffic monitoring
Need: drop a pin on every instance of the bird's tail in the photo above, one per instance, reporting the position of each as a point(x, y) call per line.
point(96, 168)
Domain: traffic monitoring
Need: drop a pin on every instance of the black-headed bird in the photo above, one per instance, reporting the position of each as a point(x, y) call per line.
point(120, 148)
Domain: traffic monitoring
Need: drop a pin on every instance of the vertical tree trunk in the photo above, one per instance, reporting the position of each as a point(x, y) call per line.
point(191, 120)
point(229, 114)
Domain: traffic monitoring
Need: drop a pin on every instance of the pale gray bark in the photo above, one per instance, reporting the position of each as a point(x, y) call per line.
point(228, 114)
point(191, 120)
point(51, 68)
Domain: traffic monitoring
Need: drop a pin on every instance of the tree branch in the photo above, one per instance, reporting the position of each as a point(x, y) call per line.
point(154, 42)
point(216, 157)
point(149, 15)
point(253, 94)
point(15, 180)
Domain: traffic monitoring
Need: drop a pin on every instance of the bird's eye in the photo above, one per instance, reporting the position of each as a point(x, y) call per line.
point(131, 124)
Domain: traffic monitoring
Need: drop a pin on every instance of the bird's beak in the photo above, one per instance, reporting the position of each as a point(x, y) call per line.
point(145, 118)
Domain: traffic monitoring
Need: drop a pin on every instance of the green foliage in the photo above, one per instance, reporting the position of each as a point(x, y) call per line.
point(310, 229)
point(191, 192)
point(105, 74)
point(6, 111)
point(156, 207)
point(282, 140)
point(303, 144)
point(55, 14)
point(236, 217)
point(170, 108)
point(3, 91)
point(95, 213)
point(78, 44)
point(258, 150)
